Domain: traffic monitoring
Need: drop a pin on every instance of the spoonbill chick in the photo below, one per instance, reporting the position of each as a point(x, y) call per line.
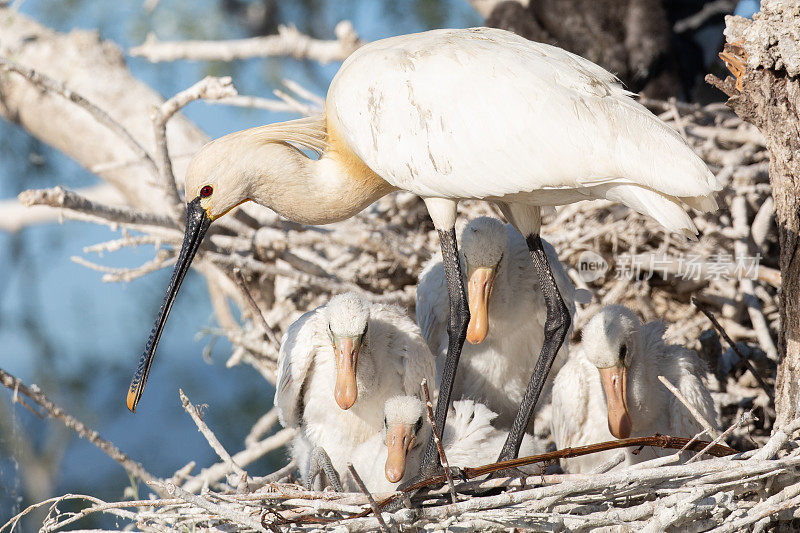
point(337, 366)
point(452, 115)
point(506, 325)
point(609, 388)
point(391, 456)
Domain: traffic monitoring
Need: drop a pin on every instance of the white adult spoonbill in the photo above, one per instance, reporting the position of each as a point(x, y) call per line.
point(469, 439)
point(610, 388)
point(451, 115)
point(337, 366)
point(506, 320)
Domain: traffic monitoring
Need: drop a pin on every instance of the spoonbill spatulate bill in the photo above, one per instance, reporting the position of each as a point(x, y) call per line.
point(507, 315)
point(609, 388)
point(391, 456)
point(337, 366)
point(451, 115)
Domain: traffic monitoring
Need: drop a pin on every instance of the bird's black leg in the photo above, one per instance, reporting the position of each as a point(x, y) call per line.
point(556, 326)
point(456, 333)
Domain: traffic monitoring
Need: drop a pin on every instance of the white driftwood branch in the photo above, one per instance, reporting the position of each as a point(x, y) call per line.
point(288, 42)
point(18, 388)
point(15, 216)
point(712, 432)
point(212, 439)
point(243, 458)
point(64, 199)
point(50, 85)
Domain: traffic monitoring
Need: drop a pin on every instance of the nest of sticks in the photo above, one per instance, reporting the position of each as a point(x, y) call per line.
point(274, 270)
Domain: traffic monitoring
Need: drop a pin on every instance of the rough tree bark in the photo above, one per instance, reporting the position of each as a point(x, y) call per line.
point(764, 55)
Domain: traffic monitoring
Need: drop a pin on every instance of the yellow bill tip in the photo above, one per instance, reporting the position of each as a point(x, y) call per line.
point(132, 399)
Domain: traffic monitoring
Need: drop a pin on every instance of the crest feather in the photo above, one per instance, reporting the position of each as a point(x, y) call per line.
point(307, 133)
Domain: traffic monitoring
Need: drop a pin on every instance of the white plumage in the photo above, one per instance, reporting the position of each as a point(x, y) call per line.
point(393, 361)
point(449, 115)
point(469, 440)
point(484, 113)
point(579, 412)
point(497, 370)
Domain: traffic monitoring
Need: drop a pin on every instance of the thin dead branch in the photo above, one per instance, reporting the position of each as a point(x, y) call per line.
point(713, 433)
point(438, 441)
point(370, 499)
point(209, 436)
point(733, 346)
point(288, 42)
point(18, 387)
point(56, 87)
point(209, 88)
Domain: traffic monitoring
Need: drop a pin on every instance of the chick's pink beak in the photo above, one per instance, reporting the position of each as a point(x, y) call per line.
point(479, 288)
point(346, 351)
point(614, 381)
point(399, 440)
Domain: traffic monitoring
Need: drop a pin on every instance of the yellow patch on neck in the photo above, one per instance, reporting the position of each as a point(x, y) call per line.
point(351, 164)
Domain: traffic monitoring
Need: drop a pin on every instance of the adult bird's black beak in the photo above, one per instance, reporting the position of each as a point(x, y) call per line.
point(197, 223)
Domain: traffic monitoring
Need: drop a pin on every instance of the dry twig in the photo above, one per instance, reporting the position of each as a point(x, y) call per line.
point(439, 447)
point(210, 437)
point(18, 387)
point(713, 433)
point(370, 499)
point(288, 42)
point(209, 88)
point(733, 346)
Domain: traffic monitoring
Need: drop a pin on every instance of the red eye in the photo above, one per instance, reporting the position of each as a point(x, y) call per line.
point(206, 191)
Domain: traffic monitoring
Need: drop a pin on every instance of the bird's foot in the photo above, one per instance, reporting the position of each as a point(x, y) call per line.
point(514, 473)
point(423, 475)
point(458, 474)
point(321, 465)
point(509, 473)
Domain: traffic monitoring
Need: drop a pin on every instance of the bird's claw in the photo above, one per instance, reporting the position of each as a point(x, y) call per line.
point(458, 473)
point(424, 473)
point(505, 473)
point(321, 465)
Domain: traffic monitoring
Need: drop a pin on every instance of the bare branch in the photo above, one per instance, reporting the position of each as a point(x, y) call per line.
point(33, 392)
point(733, 346)
point(62, 198)
point(744, 419)
point(50, 85)
point(240, 282)
point(209, 435)
point(163, 259)
point(439, 447)
point(288, 42)
point(15, 216)
point(209, 88)
point(235, 517)
point(243, 458)
point(713, 433)
point(370, 499)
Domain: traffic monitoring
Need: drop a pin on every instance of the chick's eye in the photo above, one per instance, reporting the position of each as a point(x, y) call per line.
point(206, 191)
point(623, 350)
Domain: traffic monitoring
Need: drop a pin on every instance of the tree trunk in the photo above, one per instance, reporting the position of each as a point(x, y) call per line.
point(95, 69)
point(766, 92)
